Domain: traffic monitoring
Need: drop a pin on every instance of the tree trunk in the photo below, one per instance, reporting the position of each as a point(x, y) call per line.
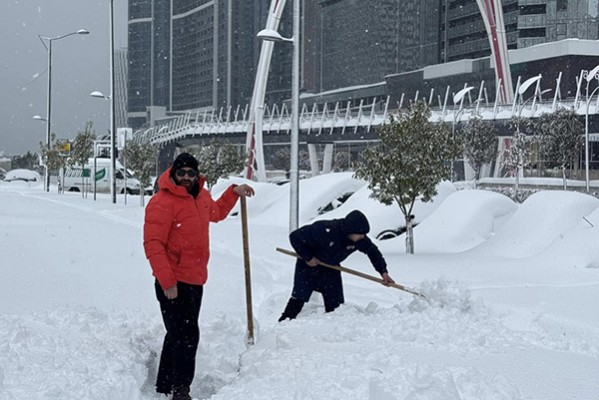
point(409, 235)
point(564, 177)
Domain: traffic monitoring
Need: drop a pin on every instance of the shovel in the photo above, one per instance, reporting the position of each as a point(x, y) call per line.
point(358, 273)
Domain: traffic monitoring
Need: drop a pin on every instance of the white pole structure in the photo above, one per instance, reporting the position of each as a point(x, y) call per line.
point(294, 164)
point(253, 146)
point(112, 109)
point(590, 76)
point(49, 93)
point(274, 36)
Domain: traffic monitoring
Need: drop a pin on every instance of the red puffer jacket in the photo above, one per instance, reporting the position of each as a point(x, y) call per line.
point(176, 231)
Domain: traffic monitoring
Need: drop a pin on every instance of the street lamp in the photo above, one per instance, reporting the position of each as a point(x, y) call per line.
point(48, 120)
point(590, 76)
point(272, 35)
point(99, 95)
point(112, 106)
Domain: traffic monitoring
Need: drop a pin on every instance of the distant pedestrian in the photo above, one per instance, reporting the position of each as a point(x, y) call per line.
point(331, 242)
point(176, 243)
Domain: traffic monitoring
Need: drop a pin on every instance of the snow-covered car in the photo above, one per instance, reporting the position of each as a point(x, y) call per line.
point(2, 173)
point(25, 175)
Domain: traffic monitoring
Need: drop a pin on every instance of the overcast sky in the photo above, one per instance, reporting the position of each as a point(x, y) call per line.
point(80, 65)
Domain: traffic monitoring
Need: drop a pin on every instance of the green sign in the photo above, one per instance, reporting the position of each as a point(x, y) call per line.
point(100, 174)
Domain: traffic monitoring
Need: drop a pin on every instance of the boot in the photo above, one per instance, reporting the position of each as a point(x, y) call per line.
point(294, 306)
point(181, 393)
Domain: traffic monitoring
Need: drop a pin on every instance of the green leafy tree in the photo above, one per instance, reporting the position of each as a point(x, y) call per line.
point(26, 161)
point(342, 161)
point(561, 137)
point(280, 159)
point(230, 159)
point(53, 160)
point(141, 159)
point(83, 149)
point(218, 160)
point(410, 161)
point(480, 144)
point(304, 160)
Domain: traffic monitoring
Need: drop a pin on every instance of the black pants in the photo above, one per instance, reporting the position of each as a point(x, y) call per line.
point(321, 279)
point(180, 316)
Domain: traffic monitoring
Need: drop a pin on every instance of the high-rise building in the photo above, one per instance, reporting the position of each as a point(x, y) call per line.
point(140, 61)
point(198, 54)
point(527, 23)
point(364, 40)
point(201, 54)
point(120, 87)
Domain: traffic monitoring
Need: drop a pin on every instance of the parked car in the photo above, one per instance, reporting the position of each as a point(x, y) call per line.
point(25, 175)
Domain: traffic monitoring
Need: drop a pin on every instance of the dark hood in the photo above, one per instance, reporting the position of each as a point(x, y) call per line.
point(356, 222)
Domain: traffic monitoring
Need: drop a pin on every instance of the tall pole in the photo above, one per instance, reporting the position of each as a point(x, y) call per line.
point(112, 122)
point(590, 76)
point(294, 166)
point(589, 97)
point(49, 94)
point(254, 146)
point(586, 145)
point(48, 114)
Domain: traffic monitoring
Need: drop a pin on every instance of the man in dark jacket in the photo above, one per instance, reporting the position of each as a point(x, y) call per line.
point(331, 242)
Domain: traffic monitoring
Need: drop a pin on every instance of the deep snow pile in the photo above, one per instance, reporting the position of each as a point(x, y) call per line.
point(510, 309)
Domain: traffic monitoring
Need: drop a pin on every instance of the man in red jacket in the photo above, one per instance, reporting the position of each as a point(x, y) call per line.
point(176, 242)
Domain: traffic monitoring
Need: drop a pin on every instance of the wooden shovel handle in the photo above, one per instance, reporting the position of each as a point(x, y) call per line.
point(356, 273)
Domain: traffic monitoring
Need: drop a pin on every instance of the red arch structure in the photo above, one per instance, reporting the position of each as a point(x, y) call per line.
point(492, 14)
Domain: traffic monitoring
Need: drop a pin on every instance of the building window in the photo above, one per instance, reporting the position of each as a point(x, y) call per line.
point(562, 5)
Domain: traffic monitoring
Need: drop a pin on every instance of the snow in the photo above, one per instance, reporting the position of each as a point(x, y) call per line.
point(510, 310)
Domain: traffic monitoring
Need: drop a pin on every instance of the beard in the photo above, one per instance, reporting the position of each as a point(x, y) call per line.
point(189, 184)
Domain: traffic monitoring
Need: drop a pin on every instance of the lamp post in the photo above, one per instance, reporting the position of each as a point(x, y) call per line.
point(112, 107)
point(100, 95)
point(270, 34)
point(48, 48)
point(40, 118)
point(590, 76)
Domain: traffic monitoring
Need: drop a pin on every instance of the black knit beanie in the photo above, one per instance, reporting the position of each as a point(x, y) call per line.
point(356, 222)
point(184, 160)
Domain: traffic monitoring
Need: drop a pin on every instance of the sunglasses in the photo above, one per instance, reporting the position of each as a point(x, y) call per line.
point(189, 172)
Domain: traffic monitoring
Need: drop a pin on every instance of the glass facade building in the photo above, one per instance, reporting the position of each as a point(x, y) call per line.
point(140, 61)
point(199, 54)
point(202, 54)
point(364, 40)
point(527, 23)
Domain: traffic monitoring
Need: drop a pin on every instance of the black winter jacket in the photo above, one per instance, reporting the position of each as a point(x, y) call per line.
point(328, 241)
